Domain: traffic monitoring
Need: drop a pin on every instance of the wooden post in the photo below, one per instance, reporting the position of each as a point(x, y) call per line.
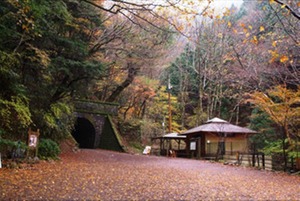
point(168, 147)
point(263, 160)
point(169, 102)
point(170, 112)
point(237, 156)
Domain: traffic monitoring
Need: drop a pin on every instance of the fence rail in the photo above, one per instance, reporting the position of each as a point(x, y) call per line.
point(259, 160)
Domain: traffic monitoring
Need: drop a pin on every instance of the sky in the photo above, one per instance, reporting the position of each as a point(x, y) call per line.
point(226, 3)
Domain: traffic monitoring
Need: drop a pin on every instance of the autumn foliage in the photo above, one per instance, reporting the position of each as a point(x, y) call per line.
point(281, 104)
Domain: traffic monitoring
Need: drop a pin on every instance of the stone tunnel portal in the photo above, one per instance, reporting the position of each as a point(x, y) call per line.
point(84, 133)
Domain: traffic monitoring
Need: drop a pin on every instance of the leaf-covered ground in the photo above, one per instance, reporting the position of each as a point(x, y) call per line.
point(106, 175)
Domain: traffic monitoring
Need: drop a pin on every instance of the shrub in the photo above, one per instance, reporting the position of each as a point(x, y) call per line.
point(12, 149)
point(48, 149)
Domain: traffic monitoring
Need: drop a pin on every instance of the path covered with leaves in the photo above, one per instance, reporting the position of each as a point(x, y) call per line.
point(106, 175)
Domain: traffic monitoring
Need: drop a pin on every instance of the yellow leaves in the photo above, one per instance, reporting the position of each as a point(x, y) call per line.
point(254, 40)
point(274, 43)
point(272, 1)
point(227, 12)
point(261, 28)
point(274, 55)
point(108, 23)
point(245, 41)
point(180, 28)
point(277, 102)
point(245, 30)
point(229, 24)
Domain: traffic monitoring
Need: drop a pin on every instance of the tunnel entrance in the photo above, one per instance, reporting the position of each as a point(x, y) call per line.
point(84, 133)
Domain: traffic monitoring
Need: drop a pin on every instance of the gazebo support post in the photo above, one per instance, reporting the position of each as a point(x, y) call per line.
point(188, 146)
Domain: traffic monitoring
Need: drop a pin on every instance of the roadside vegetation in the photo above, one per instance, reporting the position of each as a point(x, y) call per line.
point(240, 64)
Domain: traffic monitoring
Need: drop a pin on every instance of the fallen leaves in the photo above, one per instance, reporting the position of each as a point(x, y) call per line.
point(105, 175)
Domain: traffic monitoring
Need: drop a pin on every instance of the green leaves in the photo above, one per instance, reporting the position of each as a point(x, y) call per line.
point(15, 114)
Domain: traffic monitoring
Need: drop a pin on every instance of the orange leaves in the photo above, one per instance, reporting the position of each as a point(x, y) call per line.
point(284, 58)
point(140, 92)
point(180, 28)
point(275, 56)
point(254, 40)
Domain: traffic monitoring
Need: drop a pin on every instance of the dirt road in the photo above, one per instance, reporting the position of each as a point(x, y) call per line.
point(106, 175)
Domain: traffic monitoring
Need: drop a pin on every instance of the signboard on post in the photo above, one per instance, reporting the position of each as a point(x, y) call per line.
point(33, 140)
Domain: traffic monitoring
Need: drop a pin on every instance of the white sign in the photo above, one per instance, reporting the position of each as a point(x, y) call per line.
point(193, 146)
point(32, 141)
point(147, 150)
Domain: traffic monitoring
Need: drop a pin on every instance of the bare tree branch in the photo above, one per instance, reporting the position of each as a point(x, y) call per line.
point(288, 8)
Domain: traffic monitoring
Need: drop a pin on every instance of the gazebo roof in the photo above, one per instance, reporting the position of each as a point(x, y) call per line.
point(174, 135)
point(171, 136)
point(217, 125)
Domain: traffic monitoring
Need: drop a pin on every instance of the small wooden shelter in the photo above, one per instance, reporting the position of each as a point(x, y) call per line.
point(216, 138)
point(167, 144)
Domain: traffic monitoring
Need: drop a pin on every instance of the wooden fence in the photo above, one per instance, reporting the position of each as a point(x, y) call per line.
point(251, 160)
point(261, 161)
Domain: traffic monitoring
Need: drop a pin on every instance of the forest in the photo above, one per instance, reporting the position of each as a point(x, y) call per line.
point(240, 63)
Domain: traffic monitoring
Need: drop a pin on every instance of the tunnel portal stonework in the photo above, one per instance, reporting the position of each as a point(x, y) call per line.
point(98, 114)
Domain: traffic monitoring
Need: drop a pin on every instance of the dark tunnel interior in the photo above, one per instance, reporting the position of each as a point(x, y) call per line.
point(84, 133)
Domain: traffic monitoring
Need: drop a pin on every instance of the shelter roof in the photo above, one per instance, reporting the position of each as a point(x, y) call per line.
point(217, 125)
point(171, 136)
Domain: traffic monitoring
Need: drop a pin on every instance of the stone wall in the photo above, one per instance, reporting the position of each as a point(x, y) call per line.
point(97, 113)
point(93, 107)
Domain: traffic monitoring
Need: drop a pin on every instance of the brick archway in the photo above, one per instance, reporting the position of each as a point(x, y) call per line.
point(94, 128)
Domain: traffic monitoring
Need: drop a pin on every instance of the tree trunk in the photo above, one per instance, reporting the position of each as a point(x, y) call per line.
point(132, 72)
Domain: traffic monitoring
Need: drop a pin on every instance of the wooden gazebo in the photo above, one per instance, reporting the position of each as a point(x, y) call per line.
point(167, 144)
point(216, 137)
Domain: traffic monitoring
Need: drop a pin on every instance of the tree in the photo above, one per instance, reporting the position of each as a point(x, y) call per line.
point(267, 53)
point(127, 52)
point(47, 44)
point(280, 103)
point(288, 7)
point(137, 96)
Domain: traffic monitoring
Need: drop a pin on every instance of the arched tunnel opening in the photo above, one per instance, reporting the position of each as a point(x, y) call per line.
point(84, 133)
